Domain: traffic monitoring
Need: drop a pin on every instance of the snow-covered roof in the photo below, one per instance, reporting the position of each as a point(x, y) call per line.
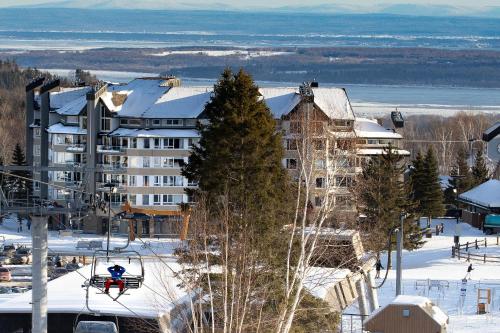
point(280, 100)
point(379, 151)
point(181, 102)
point(320, 280)
point(63, 129)
point(141, 96)
point(492, 132)
point(411, 300)
point(59, 99)
point(370, 128)
point(333, 102)
point(66, 295)
point(486, 195)
point(158, 133)
point(73, 108)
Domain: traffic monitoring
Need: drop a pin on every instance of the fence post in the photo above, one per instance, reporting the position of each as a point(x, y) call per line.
point(453, 251)
point(485, 242)
point(468, 256)
point(458, 253)
point(477, 247)
point(484, 259)
point(467, 246)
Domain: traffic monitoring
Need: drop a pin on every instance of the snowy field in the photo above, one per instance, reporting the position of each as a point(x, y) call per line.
point(431, 272)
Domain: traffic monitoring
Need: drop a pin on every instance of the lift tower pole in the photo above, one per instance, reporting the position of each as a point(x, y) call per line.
point(400, 244)
point(39, 274)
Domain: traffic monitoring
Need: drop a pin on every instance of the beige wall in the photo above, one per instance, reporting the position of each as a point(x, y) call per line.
point(391, 320)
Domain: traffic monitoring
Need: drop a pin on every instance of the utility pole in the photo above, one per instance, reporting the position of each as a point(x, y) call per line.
point(39, 273)
point(112, 189)
point(399, 268)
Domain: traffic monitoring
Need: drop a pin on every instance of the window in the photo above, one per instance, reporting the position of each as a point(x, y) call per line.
point(295, 127)
point(132, 181)
point(168, 162)
point(146, 144)
point(172, 181)
point(406, 312)
point(372, 142)
point(84, 122)
point(36, 150)
point(145, 181)
point(105, 120)
point(343, 181)
point(319, 144)
point(123, 122)
point(145, 162)
point(132, 198)
point(192, 183)
point(133, 143)
point(134, 122)
point(172, 143)
point(37, 132)
point(157, 162)
point(157, 143)
point(145, 200)
point(156, 200)
point(318, 201)
point(291, 163)
point(172, 122)
point(291, 144)
point(156, 180)
point(320, 164)
point(192, 142)
point(156, 122)
point(172, 199)
point(320, 183)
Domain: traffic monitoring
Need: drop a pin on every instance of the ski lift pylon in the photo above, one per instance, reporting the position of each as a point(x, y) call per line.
point(130, 260)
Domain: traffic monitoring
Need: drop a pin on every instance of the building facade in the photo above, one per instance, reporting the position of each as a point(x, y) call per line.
point(138, 135)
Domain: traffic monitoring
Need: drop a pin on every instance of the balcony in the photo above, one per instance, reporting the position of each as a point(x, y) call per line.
point(76, 148)
point(120, 187)
point(116, 150)
point(114, 167)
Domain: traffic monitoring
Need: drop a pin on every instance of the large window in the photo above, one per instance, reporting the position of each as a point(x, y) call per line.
point(146, 144)
point(157, 199)
point(145, 162)
point(291, 163)
point(172, 122)
point(320, 182)
point(105, 120)
point(157, 143)
point(172, 199)
point(145, 200)
point(172, 181)
point(172, 143)
point(156, 180)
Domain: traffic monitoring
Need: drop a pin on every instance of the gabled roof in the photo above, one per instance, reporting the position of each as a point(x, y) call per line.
point(370, 128)
point(486, 195)
point(333, 102)
point(280, 100)
point(59, 99)
point(434, 312)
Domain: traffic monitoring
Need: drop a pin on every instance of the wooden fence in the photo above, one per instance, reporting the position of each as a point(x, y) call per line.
point(461, 251)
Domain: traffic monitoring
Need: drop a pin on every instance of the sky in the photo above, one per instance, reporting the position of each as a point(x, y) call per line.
point(342, 5)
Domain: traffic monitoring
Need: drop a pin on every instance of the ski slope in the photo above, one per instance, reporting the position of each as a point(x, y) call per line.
point(430, 271)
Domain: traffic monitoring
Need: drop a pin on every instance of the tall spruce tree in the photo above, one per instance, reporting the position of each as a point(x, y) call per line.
point(417, 175)
point(384, 198)
point(462, 178)
point(479, 171)
point(20, 187)
point(430, 200)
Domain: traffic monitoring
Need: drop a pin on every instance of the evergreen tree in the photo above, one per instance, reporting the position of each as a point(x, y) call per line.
point(239, 153)
point(462, 178)
point(21, 187)
point(384, 198)
point(417, 176)
point(430, 200)
point(479, 170)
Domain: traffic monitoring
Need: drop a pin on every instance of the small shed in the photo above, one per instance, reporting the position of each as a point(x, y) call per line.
point(409, 314)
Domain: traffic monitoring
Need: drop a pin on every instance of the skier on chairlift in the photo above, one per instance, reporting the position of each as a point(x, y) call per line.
point(116, 272)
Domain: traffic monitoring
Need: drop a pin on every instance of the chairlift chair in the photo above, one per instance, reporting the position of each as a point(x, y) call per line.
point(130, 260)
point(96, 327)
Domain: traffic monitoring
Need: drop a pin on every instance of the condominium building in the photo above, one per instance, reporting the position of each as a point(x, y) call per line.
point(138, 135)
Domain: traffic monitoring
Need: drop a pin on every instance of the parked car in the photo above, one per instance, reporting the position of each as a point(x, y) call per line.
point(57, 272)
point(22, 256)
point(5, 260)
point(8, 250)
point(5, 274)
point(73, 267)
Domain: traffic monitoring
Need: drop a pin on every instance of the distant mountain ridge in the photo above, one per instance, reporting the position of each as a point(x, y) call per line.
point(225, 5)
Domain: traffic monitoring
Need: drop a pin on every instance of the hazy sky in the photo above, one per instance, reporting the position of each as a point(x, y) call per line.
point(156, 4)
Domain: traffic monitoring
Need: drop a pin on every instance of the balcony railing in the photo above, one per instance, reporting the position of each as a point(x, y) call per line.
point(110, 149)
point(76, 148)
point(119, 186)
point(113, 167)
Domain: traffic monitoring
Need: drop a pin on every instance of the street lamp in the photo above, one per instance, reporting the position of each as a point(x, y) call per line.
point(112, 189)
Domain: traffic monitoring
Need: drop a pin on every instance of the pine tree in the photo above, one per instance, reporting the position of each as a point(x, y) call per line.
point(417, 177)
point(462, 178)
point(384, 198)
point(21, 187)
point(431, 198)
point(479, 170)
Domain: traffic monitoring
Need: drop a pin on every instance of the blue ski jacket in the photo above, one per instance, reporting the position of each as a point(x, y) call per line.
point(116, 275)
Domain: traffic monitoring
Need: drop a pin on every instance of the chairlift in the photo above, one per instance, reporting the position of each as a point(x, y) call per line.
point(96, 327)
point(132, 261)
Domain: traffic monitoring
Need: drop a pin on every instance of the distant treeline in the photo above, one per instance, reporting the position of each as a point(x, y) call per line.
point(392, 66)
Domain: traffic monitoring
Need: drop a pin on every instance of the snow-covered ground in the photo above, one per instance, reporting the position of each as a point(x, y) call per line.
point(432, 265)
